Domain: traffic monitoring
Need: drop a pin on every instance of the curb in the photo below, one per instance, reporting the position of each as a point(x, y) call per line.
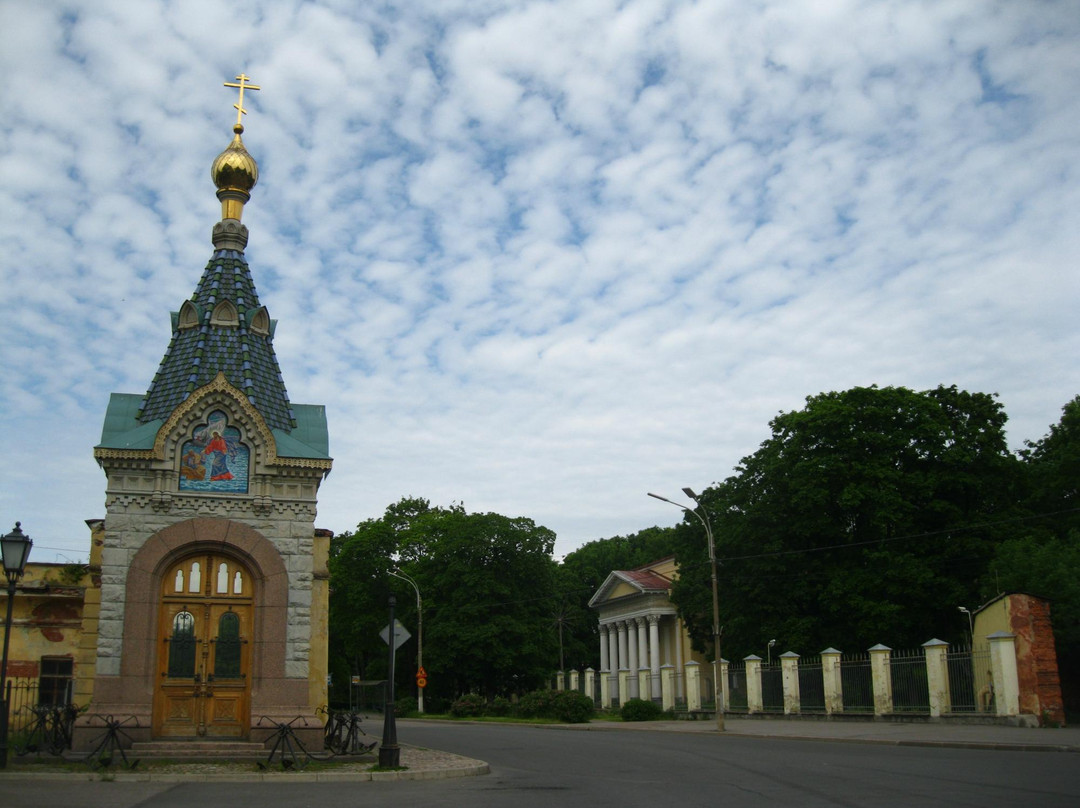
point(480, 768)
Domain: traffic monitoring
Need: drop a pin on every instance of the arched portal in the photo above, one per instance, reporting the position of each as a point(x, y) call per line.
point(205, 624)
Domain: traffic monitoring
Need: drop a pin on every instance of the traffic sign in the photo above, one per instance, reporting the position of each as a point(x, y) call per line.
point(421, 681)
point(401, 636)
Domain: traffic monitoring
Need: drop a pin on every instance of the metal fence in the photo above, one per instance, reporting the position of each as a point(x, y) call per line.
point(970, 688)
point(737, 701)
point(772, 688)
point(811, 686)
point(910, 689)
point(857, 682)
point(39, 721)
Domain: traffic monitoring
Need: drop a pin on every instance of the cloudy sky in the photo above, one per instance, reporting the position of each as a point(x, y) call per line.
point(538, 257)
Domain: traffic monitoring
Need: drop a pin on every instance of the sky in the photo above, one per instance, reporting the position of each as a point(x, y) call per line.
point(537, 258)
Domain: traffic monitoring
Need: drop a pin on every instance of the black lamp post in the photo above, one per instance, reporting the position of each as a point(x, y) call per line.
point(389, 751)
point(16, 549)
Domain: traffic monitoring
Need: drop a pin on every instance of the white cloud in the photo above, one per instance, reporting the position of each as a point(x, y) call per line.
point(538, 257)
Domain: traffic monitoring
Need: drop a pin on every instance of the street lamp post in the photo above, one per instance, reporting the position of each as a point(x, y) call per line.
point(397, 573)
point(702, 516)
point(15, 547)
point(389, 751)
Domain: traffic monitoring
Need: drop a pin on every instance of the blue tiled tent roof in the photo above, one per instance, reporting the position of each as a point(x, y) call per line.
point(196, 354)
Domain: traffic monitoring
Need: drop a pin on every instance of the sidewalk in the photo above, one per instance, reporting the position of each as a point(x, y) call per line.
point(898, 733)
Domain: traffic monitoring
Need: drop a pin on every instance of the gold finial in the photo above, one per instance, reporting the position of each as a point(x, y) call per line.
point(239, 105)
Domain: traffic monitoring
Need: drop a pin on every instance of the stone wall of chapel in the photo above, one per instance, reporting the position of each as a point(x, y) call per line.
point(136, 512)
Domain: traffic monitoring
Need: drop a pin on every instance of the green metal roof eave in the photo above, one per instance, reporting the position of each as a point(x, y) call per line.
point(310, 438)
point(122, 429)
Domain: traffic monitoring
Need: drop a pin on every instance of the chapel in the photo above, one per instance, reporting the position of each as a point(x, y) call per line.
point(210, 620)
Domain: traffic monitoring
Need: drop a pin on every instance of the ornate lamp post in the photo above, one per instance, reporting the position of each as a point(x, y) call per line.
point(397, 573)
point(703, 517)
point(389, 751)
point(16, 549)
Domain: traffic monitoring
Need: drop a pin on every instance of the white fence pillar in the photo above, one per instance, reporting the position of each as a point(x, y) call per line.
point(624, 686)
point(693, 686)
point(724, 681)
point(667, 687)
point(575, 680)
point(590, 683)
point(881, 676)
point(560, 681)
point(1003, 670)
point(937, 676)
point(754, 703)
point(605, 689)
point(834, 684)
point(789, 672)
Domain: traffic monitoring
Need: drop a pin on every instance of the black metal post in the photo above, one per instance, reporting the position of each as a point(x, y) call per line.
point(389, 751)
point(4, 702)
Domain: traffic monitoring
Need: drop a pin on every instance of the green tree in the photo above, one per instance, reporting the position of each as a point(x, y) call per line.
point(487, 583)
point(866, 517)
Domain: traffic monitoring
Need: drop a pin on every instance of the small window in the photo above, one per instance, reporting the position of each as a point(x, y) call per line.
point(189, 315)
point(196, 579)
point(227, 647)
point(238, 583)
point(223, 578)
point(260, 323)
point(55, 680)
point(182, 647)
point(179, 585)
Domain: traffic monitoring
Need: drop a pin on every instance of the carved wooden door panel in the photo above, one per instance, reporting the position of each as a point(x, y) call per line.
point(204, 649)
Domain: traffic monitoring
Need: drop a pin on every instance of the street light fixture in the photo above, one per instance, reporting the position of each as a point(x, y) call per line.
point(769, 652)
point(397, 573)
point(702, 516)
point(15, 548)
point(971, 624)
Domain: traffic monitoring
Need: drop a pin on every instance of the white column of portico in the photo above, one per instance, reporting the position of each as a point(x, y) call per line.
point(654, 653)
point(603, 648)
point(624, 662)
point(632, 662)
point(680, 668)
point(643, 653)
point(613, 652)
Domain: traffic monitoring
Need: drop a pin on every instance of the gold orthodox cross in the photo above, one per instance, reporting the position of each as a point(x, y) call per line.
point(239, 105)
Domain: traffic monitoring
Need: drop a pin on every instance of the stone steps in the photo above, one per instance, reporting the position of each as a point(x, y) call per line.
point(199, 749)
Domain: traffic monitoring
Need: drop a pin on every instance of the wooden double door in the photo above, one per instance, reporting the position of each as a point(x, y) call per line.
point(204, 650)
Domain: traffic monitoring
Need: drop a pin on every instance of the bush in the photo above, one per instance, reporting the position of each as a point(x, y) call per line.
point(537, 704)
point(499, 706)
point(404, 706)
point(469, 705)
point(573, 707)
point(640, 710)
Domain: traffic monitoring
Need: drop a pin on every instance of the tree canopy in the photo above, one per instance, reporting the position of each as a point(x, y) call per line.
point(866, 517)
point(487, 585)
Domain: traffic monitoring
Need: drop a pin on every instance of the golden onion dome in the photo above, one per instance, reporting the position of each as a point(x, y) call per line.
point(234, 169)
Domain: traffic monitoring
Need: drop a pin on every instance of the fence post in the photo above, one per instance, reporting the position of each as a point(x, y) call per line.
point(725, 680)
point(1003, 669)
point(643, 684)
point(575, 680)
point(881, 675)
point(937, 676)
point(560, 681)
point(789, 672)
point(693, 686)
point(624, 686)
point(605, 689)
point(667, 686)
point(754, 703)
point(590, 684)
point(834, 684)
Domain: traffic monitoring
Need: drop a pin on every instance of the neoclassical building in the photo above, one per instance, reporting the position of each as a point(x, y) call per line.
point(212, 606)
point(641, 632)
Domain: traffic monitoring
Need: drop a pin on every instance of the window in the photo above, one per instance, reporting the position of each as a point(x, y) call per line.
point(54, 682)
point(182, 647)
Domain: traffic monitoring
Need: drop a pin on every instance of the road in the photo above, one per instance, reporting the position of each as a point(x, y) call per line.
point(536, 767)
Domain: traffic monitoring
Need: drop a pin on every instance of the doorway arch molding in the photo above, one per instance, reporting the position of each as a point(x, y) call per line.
point(219, 535)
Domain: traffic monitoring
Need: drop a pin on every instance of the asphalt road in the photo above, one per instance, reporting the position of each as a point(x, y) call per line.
point(535, 767)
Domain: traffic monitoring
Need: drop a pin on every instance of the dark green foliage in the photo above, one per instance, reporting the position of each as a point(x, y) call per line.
point(536, 704)
point(500, 706)
point(866, 517)
point(640, 710)
point(487, 583)
point(404, 706)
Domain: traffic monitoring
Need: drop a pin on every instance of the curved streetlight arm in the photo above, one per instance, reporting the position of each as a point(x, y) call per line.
point(397, 573)
point(699, 512)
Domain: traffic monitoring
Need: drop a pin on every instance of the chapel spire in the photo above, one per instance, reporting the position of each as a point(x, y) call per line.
point(235, 173)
